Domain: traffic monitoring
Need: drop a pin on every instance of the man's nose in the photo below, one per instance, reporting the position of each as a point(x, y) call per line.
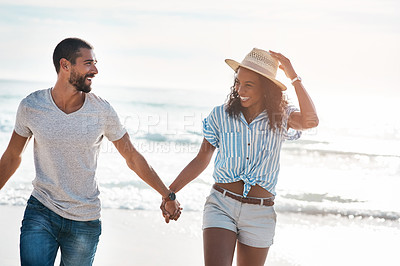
point(94, 69)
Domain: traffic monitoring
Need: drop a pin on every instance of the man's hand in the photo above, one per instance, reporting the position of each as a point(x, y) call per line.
point(171, 210)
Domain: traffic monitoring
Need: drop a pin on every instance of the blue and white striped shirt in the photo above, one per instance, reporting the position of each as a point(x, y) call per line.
point(247, 152)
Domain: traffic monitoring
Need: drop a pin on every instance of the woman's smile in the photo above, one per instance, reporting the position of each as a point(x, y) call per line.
point(244, 99)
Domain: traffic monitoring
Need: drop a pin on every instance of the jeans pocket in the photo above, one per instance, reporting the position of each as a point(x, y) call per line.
point(88, 227)
point(35, 204)
point(94, 223)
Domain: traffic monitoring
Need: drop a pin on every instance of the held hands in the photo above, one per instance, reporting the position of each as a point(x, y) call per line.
point(285, 64)
point(171, 209)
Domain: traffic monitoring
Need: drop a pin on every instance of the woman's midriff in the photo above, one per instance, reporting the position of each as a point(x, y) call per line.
point(237, 187)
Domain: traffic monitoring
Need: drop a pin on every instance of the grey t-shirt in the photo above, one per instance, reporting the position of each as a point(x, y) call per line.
point(66, 147)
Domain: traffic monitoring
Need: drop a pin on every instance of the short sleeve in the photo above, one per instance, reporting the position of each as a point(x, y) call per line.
point(21, 125)
point(211, 129)
point(114, 130)
point(291, 134)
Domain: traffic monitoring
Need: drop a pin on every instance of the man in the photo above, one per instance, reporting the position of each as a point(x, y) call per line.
point(68, 124)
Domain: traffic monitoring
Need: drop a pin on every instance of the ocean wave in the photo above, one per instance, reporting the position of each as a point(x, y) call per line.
point(313, 209)
point(180, 138)
point(308, 147)
point(326, 204)
point(136, 195)
point(283, 207)
point(154, 137)
point(161, 105)
point(10, 97)
point(312, 197)
point(324, 152)
point(6, 123)
point(192, 137)
point(333, 150)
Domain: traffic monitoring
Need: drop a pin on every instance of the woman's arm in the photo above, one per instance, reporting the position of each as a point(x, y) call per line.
point(307, 117)
point(195, 167)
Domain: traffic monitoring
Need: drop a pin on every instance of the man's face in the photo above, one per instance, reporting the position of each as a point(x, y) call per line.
point(83, 71)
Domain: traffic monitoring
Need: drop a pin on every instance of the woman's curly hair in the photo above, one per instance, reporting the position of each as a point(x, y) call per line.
point(274, 100)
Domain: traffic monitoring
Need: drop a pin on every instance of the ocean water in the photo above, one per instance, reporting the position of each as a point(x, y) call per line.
point(348, 167)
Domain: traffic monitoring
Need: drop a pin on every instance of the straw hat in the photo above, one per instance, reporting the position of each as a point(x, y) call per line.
point(261, 62)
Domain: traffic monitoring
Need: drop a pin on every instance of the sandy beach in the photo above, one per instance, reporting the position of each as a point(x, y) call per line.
point(128, 238)
point(142, 238)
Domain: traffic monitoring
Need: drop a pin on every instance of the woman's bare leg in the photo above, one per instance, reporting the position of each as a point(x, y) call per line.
point(247, 255)
point(219, 246)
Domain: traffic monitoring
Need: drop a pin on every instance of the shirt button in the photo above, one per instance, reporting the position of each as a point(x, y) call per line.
point(248, 144)
point(247, 158)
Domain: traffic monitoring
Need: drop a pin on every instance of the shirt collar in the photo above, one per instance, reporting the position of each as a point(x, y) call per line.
point(260, 116)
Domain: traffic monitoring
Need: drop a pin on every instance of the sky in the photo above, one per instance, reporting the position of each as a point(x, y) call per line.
point(344, 46)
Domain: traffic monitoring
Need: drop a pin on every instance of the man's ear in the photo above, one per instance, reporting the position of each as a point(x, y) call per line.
point(65, 64)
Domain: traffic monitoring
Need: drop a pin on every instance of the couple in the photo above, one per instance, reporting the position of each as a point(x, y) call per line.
point(69, 123)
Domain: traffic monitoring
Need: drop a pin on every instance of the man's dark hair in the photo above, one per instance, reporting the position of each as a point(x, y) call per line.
point(69, 49)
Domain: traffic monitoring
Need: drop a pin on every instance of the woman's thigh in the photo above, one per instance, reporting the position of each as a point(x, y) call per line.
point(247, 255)
point(219, 246)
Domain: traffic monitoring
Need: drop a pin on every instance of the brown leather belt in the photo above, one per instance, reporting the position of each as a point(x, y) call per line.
point(265, 201)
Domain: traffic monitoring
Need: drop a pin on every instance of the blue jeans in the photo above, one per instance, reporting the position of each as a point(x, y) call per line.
point(44, 231)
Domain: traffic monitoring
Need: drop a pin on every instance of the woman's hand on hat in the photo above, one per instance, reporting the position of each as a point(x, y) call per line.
point(285, 64)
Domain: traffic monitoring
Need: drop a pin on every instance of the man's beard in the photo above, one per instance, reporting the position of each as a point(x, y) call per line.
point(79, 82)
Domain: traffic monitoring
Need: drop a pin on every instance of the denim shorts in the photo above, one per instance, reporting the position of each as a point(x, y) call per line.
point(253, 224)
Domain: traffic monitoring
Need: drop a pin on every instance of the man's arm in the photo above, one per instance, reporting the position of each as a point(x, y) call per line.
point(139, 165)
point(11, 158)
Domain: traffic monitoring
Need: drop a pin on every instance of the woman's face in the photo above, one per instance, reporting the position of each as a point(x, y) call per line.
point(248, 86)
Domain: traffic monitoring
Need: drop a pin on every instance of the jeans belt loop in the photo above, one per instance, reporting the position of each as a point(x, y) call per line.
point(262, 202)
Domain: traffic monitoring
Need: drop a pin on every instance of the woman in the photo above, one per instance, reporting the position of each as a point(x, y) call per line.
point(248, 132)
